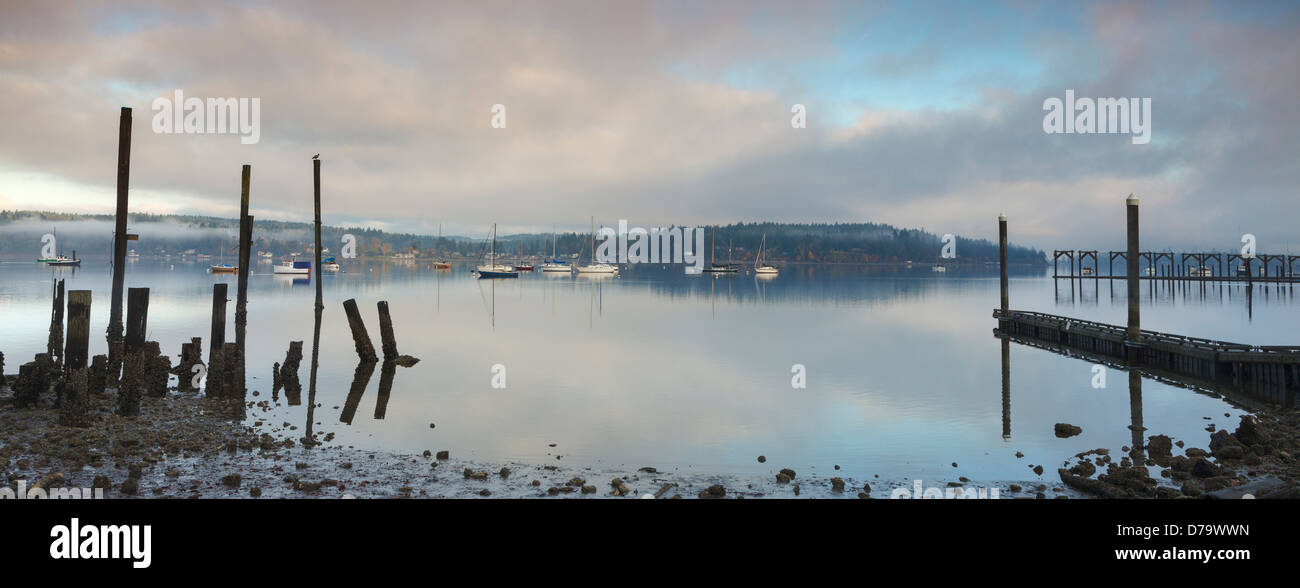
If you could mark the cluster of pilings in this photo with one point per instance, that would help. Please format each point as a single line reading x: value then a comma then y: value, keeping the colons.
x: 133, y: 366
x: 1178, y: 266
x: 136, y: 368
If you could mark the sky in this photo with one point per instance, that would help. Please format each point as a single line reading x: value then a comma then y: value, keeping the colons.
x: 919, y: 114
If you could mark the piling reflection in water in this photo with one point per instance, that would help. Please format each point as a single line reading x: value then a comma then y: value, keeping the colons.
x: 1135, y: 417
x: 360, y: 379
x: 309, y: 440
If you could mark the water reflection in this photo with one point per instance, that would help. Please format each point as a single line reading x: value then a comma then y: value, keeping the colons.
x: 660, y: 368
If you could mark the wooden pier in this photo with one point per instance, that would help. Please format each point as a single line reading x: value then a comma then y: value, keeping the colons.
x: 1174, y: 266
x: 1269, y: 372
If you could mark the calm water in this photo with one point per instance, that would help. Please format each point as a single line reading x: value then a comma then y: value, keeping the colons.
x: 657, y: 368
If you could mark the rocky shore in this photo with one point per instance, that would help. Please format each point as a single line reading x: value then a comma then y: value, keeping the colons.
x: 1257, y: 460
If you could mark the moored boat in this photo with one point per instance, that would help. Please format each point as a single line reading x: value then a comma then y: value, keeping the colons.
x: 492, y: 269
x: 761, y: 268
x: 292, y: 266
x: 596, y: 267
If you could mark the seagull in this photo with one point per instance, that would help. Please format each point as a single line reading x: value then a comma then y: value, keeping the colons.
x: 316, y: 156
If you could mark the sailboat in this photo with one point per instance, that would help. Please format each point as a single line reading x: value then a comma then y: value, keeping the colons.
x: 521, y: 266
x: 555, y: 264
x: 223, y: 268
x: 719, y: 268
x: 492, y: 269
x: 760, y: 267
x: 596, y: 267
x: 441, y: 264
x: 329, y: 264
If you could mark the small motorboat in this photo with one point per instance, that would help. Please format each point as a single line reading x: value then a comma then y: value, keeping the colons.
x: 291, y: 266
x: 329, y: 264
x: 63, y: 260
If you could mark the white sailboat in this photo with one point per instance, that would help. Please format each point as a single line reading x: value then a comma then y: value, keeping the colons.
x: 596, y: 267
x: 761, y: 268
x: 556, y: 264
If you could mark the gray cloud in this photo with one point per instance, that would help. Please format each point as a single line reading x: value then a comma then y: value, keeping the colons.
x: 631, y: 110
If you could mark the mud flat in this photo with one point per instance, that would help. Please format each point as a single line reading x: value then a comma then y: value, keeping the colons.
x: 184, y: 445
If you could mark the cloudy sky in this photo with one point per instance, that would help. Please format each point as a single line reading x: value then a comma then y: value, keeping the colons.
x: 919, y: 114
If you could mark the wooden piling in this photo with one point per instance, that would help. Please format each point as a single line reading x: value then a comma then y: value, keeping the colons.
x: 119, y: 243
x: 245, y: 242
x: 73, y: 407
x: 133, y: 380
x: 54, y: 346
x: 1134, y: 334
x: 137, y: 318
x: 387, y: 340
x: 78, y: 343
x: 315, y: 166
x: 97, y: 381
x: 1002, y: 260
x: 26, y: 390
x: 217, y: 336
x: 361, y: 339
x: 191, y: 355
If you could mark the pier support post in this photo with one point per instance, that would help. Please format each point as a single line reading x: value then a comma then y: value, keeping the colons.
x: 365, y: 348
x: 217, y: 336
x: 386, y: 337
x: 1002, y: 260
x: 78, y: 343
x: 119, y: 245
x: 137, y: 318
x: 1134, y: 334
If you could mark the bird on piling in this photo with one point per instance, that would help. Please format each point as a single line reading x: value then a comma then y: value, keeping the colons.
x: 316, y: 156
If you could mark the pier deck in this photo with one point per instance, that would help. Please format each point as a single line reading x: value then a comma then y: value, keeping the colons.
x: 1263, y: 371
